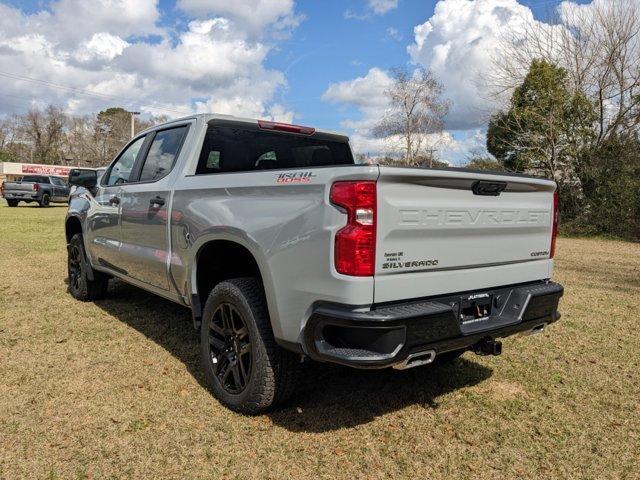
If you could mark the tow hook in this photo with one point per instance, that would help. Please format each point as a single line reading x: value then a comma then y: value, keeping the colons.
x: 488, y: 346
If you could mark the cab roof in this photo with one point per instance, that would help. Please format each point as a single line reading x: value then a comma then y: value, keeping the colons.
x: 253, y: 122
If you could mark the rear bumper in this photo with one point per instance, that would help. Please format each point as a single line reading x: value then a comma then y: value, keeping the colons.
x: 20, y: 196
x: 387, y: 335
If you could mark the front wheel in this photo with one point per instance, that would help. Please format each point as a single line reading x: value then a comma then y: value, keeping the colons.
x: 79, y: 270
x: 12, y: 203
x: 244, y: 367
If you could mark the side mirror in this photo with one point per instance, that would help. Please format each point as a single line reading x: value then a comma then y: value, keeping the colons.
x: 83, y: 177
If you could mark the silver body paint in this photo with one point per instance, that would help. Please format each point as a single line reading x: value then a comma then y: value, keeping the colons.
x: 289, y: 227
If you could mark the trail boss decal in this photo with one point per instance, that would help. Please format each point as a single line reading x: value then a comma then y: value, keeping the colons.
x: 395, y: 260
x: 295, y: 177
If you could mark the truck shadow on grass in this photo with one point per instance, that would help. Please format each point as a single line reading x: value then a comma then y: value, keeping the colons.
x: 332, y: 397
x: 329, y: 397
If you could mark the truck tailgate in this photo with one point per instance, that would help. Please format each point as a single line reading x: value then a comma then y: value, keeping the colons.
x: 442, y: 231
x: 18, y: 187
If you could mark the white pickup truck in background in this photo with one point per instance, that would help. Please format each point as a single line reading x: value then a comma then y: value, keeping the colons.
x: 283, y: 248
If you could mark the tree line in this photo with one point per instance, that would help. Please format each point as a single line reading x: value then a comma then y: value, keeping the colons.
x: 51, y: 136
x: 574, y: 114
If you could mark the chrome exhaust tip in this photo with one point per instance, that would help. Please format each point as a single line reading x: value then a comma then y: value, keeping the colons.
x: 535, y: 330
x: 416, y: 359
x: 538, y: 329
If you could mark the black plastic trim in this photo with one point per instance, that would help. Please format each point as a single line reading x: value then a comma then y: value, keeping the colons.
x: 430, y: 324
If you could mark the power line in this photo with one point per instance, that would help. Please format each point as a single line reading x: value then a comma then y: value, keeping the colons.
x: 81, y: 91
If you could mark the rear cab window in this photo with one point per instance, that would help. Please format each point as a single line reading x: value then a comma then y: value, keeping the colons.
x: 35, y: 179
x: 162, y: 154
x: 244, y: 149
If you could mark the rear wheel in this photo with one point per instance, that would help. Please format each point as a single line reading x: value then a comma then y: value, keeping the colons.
x: 45, y: 200
x: 12, y: 203
x: 81, y: 286
x: 244, y: 367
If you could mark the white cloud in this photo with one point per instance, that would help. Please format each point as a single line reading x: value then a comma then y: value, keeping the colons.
x: 68, y: 22
x: 462, y: 145
x: 215, y: 64
x: 458, y: 43
x: 364, y: 92
x: 102, y: 46
x: 209, y: 51
x: 570, y: 10
x: 394, y: 34
x: 253, y: 15
x: 374, y: 7
x: 445, y: 146
x: 455, y: 150
x: 367, y: 94
x: 380, y: 7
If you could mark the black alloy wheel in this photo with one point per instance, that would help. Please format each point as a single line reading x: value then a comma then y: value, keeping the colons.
x: 84, y: 282
x: 244, y: 367
x: 230, y: 348
x: 74, y: 265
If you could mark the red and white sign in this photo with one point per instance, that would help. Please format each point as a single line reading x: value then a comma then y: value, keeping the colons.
x: 46, y: 170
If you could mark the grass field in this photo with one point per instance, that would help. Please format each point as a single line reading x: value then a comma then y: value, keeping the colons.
x: 113, y: 389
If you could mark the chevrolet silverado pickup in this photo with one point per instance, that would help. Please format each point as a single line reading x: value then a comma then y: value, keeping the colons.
x: 41, y: 189
x: 284, y: 249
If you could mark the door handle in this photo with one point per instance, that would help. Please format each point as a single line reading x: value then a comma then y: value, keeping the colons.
x: 156, y: 202
x: 115, y: 200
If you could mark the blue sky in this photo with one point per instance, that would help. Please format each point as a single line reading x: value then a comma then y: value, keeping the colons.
x: 320, y: 63
x: 328, y: 48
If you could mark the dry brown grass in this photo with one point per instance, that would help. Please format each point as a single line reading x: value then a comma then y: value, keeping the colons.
x: 113, y: 389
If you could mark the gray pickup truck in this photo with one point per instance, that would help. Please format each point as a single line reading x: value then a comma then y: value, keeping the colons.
x: 284, y: 249
x: 41, y: 189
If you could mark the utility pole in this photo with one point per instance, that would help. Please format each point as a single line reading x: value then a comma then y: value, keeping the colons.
x: 133, y: 125
x: 431, y: 152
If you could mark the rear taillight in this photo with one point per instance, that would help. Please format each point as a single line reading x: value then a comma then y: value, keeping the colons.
x: 355, y: 247
x: 36, y: 187
x: 554, y: 225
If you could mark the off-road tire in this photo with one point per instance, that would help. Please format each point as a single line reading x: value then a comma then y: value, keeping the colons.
x: 78, y: 268
x: 273, y: 373
x: 45, y: 201
x: 12, y: 203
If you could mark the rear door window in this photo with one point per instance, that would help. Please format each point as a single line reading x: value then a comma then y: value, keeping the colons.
x: 58, y: 182
x: 230, y: 149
